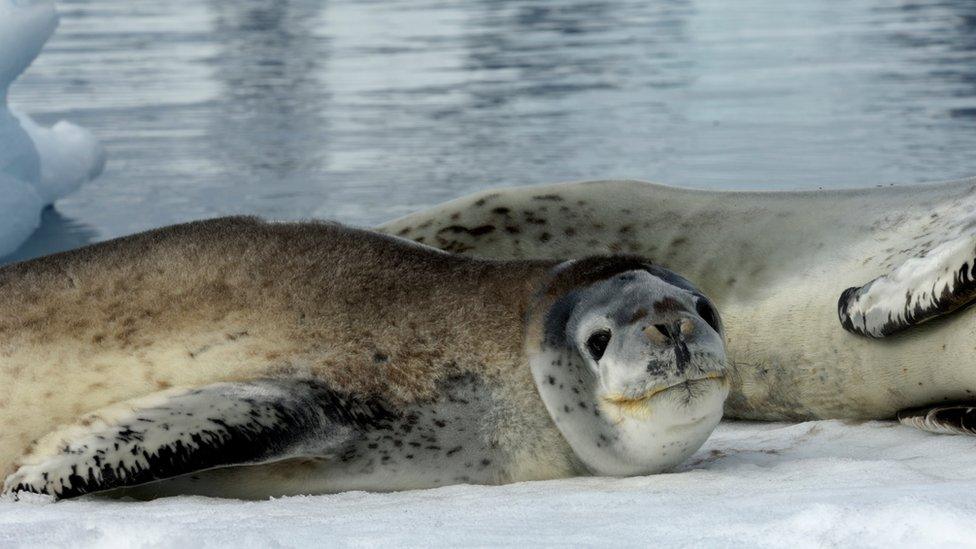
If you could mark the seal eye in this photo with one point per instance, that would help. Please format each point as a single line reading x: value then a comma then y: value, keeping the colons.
x: 707, y: 313
x: 597, y: 343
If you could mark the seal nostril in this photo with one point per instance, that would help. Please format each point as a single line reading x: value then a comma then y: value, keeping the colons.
x: 660, y: 334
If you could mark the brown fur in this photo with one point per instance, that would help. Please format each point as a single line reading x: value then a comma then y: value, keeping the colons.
x: 241, y: 299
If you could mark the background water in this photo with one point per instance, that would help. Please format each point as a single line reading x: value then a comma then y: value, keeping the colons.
x: 364, y: 110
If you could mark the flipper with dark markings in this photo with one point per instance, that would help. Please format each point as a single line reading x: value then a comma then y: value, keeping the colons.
x: 953, y: 419
x: 922, y: 288
x: 180, y: 431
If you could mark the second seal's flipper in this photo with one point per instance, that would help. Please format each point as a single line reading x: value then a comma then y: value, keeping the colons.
x: 181, y: 431
x: 951, y: 419
x: 922, y: 288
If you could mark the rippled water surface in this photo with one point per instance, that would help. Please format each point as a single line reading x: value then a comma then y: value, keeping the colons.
x: 364, y: 110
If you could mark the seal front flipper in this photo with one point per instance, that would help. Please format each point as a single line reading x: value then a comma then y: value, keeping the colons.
x: 953, y: 419
x: 920, y: 289
x: 180, y: 431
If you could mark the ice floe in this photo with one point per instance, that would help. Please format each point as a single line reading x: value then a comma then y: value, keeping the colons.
x: 38, y: 165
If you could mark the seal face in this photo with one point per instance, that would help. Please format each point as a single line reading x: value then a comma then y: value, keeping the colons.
x: 239, y: 358
x: 631, y: 365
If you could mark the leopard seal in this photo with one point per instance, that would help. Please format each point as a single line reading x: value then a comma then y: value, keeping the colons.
x: 236, y: 357
x: 838, y: 303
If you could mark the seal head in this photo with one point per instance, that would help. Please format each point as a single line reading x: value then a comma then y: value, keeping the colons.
x: 630, y: 362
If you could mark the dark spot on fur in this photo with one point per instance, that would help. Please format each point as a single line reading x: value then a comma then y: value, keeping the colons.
x: 482, y: 201
x: 638, y: 314
x: 501, y: 211
x: 475, y: 231
x: 668, y: 305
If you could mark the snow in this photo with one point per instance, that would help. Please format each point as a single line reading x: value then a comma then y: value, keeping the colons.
x: 37, y: 165
x: 826, y: 483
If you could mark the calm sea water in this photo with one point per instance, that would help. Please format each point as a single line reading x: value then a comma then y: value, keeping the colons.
x: 363, y: 110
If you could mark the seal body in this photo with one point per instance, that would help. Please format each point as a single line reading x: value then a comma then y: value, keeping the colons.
x: 776, y: 264
x: 238, y: 299
x: 235, y: 357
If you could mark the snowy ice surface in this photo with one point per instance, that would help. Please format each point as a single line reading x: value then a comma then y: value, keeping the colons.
x: 826, y: 483
x: 37, y: 165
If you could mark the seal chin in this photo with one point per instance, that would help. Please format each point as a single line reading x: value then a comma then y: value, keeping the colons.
x: 687, y: 390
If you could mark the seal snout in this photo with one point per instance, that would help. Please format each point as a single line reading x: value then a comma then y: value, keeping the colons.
x: 675, y: 335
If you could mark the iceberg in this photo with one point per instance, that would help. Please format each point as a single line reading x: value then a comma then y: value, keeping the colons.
x: 38, y: 165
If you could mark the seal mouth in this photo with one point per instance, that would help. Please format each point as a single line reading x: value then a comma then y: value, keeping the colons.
x: 639, y: 403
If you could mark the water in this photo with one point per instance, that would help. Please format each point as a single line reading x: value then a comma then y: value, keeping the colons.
x: 363, y: 110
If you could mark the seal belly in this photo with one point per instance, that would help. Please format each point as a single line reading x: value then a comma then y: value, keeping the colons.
x: 792, y: 360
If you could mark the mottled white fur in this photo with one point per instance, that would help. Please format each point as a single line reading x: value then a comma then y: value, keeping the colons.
x: 775, y: 264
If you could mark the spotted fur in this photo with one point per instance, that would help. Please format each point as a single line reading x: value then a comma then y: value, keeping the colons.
x: 775, y: 264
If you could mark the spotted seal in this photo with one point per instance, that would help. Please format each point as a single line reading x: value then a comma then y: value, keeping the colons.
x: 838, y: 304
x: 236, y: 357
